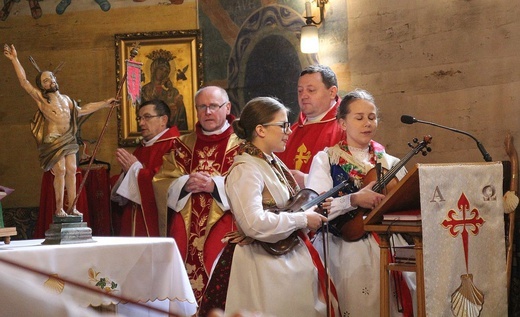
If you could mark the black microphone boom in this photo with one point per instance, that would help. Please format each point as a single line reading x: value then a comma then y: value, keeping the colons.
x: 410, y: 120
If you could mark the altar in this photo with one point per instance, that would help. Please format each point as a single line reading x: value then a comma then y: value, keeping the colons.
x: 140, y: 269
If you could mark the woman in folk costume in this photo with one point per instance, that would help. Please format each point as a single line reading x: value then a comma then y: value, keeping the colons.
x: 354, y: 265
x: 265, y: 276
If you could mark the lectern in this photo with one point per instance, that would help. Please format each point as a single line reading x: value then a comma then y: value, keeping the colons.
x: 459, y: 244
x: 404, y: 196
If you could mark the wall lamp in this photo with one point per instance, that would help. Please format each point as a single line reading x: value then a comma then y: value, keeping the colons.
x: 309, y: 40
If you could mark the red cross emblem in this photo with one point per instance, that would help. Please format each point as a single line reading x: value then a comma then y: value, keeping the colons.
x: 470, y: 222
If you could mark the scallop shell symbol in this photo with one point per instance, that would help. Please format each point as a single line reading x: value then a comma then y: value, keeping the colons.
x: 55, y: 284
x: 510, y: 202
x: 467, y: 300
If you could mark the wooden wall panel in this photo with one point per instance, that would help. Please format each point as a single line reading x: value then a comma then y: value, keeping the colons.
x: 84, y: 40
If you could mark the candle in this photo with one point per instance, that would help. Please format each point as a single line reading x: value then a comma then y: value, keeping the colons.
x: 308, y: 11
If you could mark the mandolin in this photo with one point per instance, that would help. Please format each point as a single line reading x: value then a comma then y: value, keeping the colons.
x: 350, y: 225
x: 303, y: 200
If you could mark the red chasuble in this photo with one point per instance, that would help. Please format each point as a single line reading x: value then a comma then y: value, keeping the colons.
x: 201, y: 225
x: 151, y: 158
x: 307, y: 140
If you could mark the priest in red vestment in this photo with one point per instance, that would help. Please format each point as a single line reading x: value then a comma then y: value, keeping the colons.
x: 317, y: 126
x: 133, y: 191
x: 189, y: 188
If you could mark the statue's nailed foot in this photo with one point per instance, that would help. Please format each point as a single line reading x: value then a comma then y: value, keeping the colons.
x: 75, y: 212
x: 60, y: 213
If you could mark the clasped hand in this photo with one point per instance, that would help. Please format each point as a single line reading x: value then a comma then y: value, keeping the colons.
x: 200, y: 182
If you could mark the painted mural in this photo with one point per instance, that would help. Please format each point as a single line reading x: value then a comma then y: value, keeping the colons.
x: 252, y: 48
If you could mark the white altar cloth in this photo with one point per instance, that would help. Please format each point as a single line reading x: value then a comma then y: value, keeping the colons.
x: 141, y: 269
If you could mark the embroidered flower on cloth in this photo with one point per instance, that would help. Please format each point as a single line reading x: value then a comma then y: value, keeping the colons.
x: 197, y: 283
x: 198, y: 243
x: 376, y: 152
x: 105, y: 284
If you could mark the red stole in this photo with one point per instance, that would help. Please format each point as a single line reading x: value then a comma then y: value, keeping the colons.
x: 307, y: 140
x: 151, y: 159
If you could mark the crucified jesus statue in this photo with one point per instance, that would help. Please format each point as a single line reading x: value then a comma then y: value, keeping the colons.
x: 54, y: 126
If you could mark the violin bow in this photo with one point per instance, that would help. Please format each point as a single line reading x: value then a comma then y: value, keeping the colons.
x: 133, y: 53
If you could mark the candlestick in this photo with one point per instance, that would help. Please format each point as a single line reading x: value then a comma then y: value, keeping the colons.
x: 308, y: 11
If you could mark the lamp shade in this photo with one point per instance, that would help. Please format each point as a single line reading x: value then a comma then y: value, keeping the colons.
x: 309, y: 41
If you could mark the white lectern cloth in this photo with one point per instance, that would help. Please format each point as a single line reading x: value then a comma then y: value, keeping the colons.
x: 461, y: 206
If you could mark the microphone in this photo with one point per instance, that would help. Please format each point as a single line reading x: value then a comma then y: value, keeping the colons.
x: 410, y: 120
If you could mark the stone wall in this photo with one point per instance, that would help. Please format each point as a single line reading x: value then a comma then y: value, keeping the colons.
x: 450, y: 62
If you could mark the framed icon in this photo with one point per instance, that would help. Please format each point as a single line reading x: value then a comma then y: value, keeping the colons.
x: 170, y: 70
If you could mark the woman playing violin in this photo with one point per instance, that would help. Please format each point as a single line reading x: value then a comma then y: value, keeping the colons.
x: 354, y: 265
x: 281, y: 285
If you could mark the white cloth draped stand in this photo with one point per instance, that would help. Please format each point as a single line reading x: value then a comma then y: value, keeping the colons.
x: 141, y: 269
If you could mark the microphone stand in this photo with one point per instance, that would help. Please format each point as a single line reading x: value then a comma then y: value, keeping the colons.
x: 409, y: 120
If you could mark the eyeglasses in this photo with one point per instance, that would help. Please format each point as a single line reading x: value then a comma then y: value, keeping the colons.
x: 286, y: 126
x: 147, y: 117
x: 212, y: 107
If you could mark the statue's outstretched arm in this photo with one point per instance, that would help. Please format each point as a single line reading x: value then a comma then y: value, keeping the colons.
x: 94, y: 106
x: 10, y: 53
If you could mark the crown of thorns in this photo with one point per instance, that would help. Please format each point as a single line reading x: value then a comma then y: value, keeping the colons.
x: 56, y: 70
x: 161, y: 54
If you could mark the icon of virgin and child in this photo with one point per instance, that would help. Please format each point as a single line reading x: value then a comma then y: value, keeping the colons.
x: 160, y: 86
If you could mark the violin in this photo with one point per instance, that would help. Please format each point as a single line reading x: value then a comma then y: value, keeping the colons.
x: 350, y: 225
x: 303, y: 200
